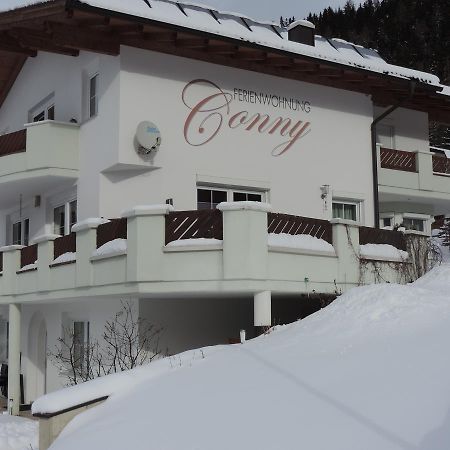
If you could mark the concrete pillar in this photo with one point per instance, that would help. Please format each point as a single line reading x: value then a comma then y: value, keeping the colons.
x: 346, y: 245
x: 11, y: 264
x: 424, y: 161
x: 45, y: 258
x: 146, y: 240
x: 14, y: 359
x: 262, y: 311
x: 86, y: 231
x: 245, y: 246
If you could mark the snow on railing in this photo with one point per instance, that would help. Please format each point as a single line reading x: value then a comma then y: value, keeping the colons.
x: 288, y: 224
x: 369, y: 235
x: 65, y: 244
x: 114, y: 229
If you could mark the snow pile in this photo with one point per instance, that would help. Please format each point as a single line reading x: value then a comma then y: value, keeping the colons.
x: 28, y: 267
x: 382, y: 252
x: 201, y: 242
x: 238, y: 27
x: 114, y: 247
x: 371, y: 369
x: 65, y: 258
x: 17, y: 433
x: 299, y: 242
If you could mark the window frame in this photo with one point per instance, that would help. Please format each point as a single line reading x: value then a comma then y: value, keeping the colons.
x: 93, y: 97
x: 352, y: 202
x: 230, y: 191
x: 390, y: 216
x: 67, y: 227
x: 45, y: 108
x: 24, y: 238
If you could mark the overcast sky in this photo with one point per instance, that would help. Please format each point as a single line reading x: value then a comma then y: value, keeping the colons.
x: 273, y: 9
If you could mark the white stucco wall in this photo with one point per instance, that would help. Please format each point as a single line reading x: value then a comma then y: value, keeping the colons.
x: 411, y: 128
x: 56, y: 315
x: 197, y: 322
x: 336, y: 151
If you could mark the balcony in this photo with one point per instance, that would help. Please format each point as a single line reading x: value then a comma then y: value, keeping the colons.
x: 418, y: 176
x: 242, y: 248
x: 40, y: 157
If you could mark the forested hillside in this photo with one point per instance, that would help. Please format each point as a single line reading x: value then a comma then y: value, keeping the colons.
x: 410, y: 33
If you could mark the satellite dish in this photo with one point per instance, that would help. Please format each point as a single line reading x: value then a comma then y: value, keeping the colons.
x: 148, y: 138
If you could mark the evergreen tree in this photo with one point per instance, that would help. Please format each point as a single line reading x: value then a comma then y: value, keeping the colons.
x: 409, y: 33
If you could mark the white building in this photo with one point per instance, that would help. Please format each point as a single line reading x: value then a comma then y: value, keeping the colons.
x: 247, y: 112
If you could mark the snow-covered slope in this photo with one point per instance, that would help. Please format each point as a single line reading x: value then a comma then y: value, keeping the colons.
x: 369, y: 372
x: 17, y: 433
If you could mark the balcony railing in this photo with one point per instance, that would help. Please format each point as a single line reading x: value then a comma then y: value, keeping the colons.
x: 374, y: 236
x: 65, y: 244
x: 114, y: 229
x: 398, y: 160
x: 441, y: 165
x: 288, y: 224
x: 194, y: 224
x: 13, y: 143
x: 28, y: 255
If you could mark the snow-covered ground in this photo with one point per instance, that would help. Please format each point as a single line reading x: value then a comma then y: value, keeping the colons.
x: 369, y: 372
x: 17, y: 433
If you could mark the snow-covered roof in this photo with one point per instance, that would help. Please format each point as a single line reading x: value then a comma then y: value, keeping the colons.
x: 238, y: 27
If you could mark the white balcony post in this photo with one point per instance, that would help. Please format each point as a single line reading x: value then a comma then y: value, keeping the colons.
x: 45, y: 245
x: 14, y: 359
x: 11, y: 264
x: 424, y: 161
x: 86, y: 239
x: 262, y: 310
x: 346, y: 245
x: 145, y: 242
x: 379, y: 156
x: 245, y: 246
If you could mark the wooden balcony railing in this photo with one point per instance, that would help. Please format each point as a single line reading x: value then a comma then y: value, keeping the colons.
x: 441, y: 165
x: 28, y: 255
x: 206, y: 223
x: 114, y: 229
x: 65, y: 244
x: 13, y: 143
x: 375, y: 236
x: 398, y: 160
x: 285, y: 223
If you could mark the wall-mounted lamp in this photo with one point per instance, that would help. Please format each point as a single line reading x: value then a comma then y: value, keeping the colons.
x: 325, y: 189
x: 325, y: 192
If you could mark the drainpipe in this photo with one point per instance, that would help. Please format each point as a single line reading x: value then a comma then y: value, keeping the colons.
x: 373, y: 134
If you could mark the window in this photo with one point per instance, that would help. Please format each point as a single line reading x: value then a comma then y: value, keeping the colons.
x: 44, y: 113
x: 64, y: 217
x: 81, y: 345
x: 246, y: 197
x: 386, y: 135
x: 209, y: 198
x: 21, y: 232
x: 414, y: 224
x: 386, y: 222
x: 346, y: 210
x: 93, y: 96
